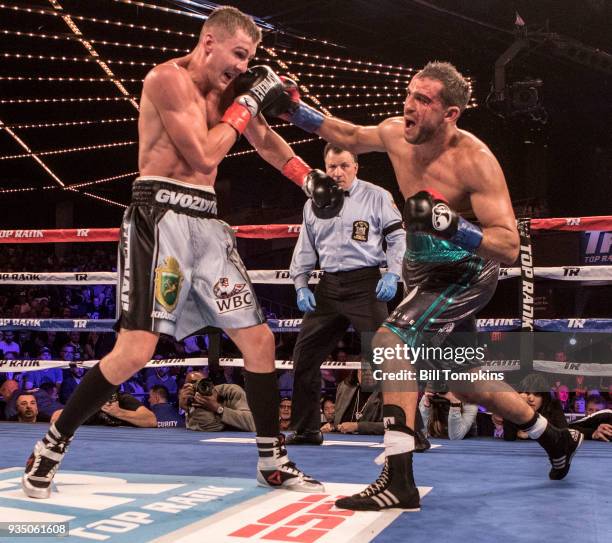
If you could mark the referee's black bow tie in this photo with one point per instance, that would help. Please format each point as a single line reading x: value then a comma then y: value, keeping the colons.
x: 346, y: 193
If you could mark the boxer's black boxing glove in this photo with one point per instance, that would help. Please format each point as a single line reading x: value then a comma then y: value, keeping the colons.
x: 320, y: 187
x: 327, y: 196
x: 428, y: 211
x: 256, y: 89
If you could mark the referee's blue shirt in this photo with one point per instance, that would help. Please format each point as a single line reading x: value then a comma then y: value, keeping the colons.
x: 353, y: 239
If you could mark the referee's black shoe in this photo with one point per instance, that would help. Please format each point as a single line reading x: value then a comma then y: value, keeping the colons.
x: 306, y: 438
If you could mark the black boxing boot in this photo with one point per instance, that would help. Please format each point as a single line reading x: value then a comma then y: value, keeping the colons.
x: 560, y: 444
x: 395, y: 487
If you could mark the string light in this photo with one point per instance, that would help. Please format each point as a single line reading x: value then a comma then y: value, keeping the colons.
x: 339, y: 59
x: 358, y: 87
x: 163, y: 8
x: 73, y: 123
x: 64, y: 58
x: 27, y: 189
x: 373, y: 104
x: 105, y: 180
x: 55, y: 79
x: 251, y: 151
x: 75, y: 185
x: 303, y: 89
x: 347, y: 68
x: 100, y: 42
x: 30, y: 154
x: 65, y: 100
x: 359, y: 95
x: 73, y: 150
x: 42, y: 11
x: 387, y: 113
x: 106, y: 200
x: 90, y: 49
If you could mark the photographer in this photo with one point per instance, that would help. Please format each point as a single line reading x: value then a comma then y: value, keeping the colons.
x: 214, y: 408
x: 122, y: 409
x: 445, y: 416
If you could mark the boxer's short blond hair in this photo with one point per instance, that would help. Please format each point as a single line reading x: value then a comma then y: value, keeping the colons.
x: 229, y: 19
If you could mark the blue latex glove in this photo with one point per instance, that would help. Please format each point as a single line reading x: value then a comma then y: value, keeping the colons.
x: 305, y: 300
x: 387, y: 287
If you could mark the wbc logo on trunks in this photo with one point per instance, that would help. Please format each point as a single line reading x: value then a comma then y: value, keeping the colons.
x: 231, y: 297
x: 168, y: 282
x: 222, y: 288
x: 440, y: 217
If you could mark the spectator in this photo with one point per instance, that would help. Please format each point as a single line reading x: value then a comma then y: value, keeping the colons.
x: 580, y: 389
x: 579, y: 404
x: 9, y: 345
x: 27, y: 409
x: 123, y: 409
x: 75, y: 342
x: 161, y: 376
x: 134, y: 387
x: 50, y: 375
x: 534, y: 390
x: 71, y: 379
x: 285, y: 413
x: 47, y: 401
x: 563, y: 396
x: 7, y: 389
x: 285, y: 383
x: 225, y: 408
x: 445, y: 416
x: 166, y: 414
x: 328, y: 410
x: 356, y: 410
x: 598, y: 422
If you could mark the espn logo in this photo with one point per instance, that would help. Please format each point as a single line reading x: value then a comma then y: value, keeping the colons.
x: 282, y: 525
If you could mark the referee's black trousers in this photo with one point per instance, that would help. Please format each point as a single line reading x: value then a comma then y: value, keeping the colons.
x: 343, y: 298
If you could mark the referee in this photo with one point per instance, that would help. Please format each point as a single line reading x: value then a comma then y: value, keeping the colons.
x: 347, y: 238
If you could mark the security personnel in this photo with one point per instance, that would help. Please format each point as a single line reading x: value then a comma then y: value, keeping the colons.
x: 344, y: 227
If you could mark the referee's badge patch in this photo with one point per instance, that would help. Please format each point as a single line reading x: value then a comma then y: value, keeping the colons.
x: 168, y: 282
x: 361, y: 230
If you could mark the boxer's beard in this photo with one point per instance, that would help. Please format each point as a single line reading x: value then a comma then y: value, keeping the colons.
x: 423, y: 135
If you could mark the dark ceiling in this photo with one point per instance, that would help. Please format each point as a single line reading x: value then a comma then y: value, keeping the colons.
x: 69, y: 123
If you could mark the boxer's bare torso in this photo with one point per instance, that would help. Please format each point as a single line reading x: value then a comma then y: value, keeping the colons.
x: 158, y: 154
x: 449, y: 170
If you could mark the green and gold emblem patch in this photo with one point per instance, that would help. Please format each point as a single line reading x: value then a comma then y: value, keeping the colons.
x: 168, y: 281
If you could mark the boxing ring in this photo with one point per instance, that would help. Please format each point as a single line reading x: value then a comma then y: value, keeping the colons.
x: 174, y: 485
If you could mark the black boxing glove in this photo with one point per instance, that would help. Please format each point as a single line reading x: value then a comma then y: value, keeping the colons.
x: 428, y: 211
x: 256, y: 89
x: 327, y: 196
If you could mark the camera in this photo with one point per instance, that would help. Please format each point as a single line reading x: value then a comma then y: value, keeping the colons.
x: 205, y: 386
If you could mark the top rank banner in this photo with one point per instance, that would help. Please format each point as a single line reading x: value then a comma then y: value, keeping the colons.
x: 596, y: 248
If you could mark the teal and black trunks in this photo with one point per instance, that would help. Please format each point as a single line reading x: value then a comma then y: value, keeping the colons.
x: 446, y: 286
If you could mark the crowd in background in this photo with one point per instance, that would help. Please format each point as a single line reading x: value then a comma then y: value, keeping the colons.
x: 167, y: 396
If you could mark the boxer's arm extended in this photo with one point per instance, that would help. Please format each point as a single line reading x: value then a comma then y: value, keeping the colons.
x: 171, y: 91
x: 349, y: 136
x: 352, y: 137
x: 492, y: 206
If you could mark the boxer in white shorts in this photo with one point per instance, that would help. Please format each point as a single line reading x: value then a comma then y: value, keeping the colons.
x: 179, y: 270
